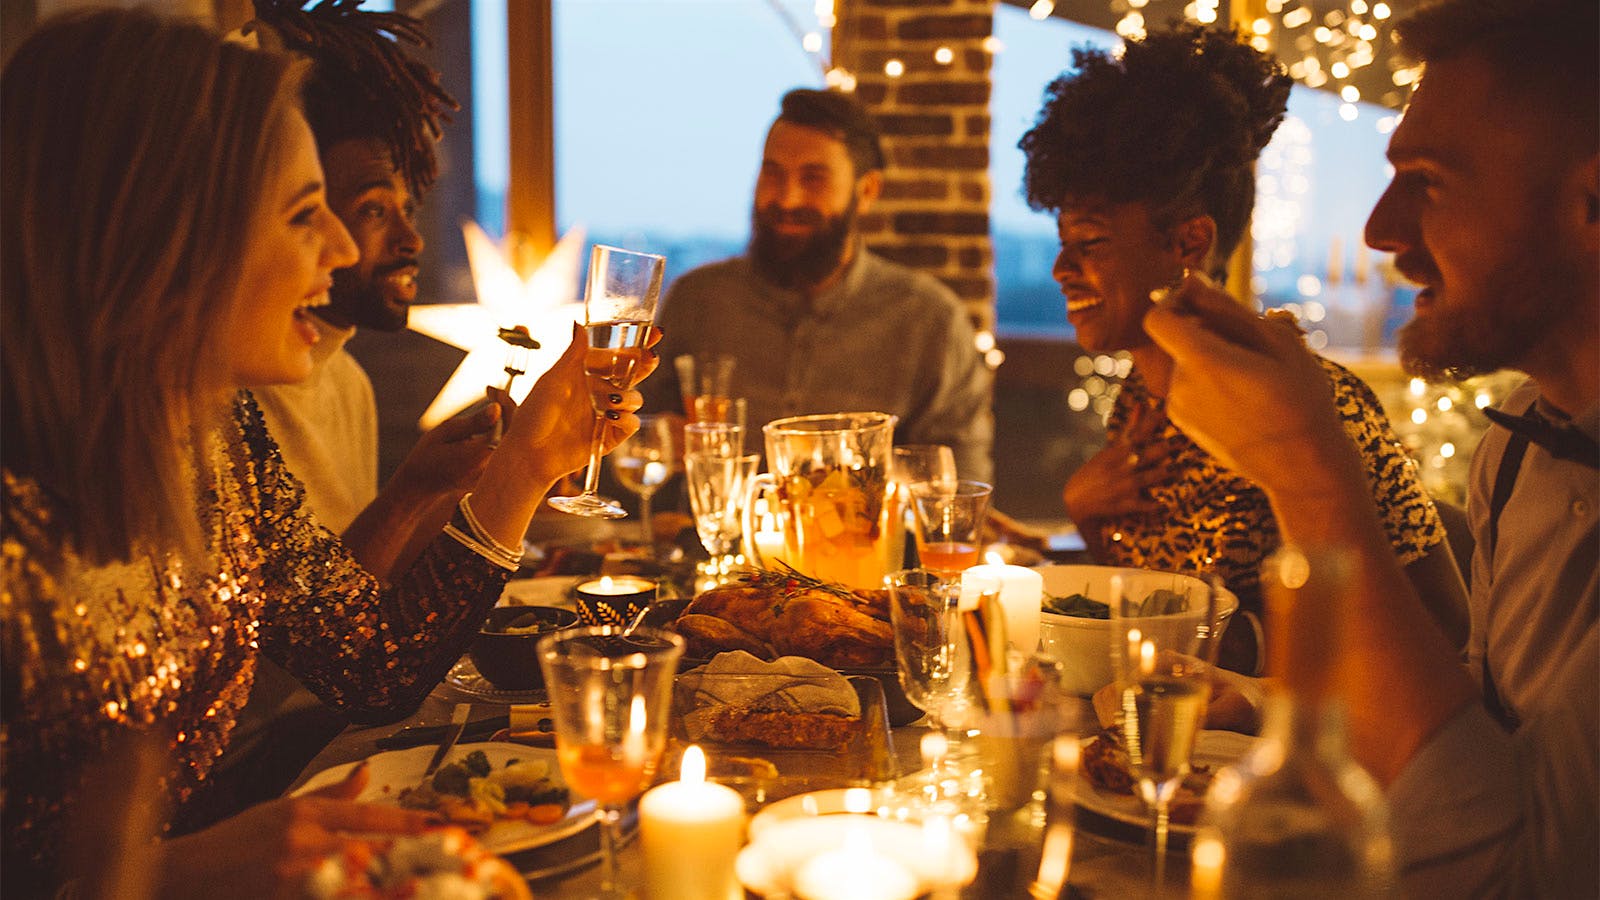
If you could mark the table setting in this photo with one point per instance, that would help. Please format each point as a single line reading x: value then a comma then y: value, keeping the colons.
x: 762, y: 729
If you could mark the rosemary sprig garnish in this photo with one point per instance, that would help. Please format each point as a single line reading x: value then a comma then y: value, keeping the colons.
x: 790, y: 581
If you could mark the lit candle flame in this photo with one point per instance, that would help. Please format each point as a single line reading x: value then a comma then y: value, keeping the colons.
x: 993, y: 558
x: 693, y: 769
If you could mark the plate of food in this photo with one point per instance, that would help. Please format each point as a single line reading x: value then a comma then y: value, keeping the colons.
x: 1106, y: 784
x: 509, y: 796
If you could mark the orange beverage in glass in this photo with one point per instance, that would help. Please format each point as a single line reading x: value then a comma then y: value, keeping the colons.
x: 604, y: 774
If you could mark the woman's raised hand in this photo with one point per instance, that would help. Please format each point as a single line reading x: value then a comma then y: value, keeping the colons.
x: 1116, y: 481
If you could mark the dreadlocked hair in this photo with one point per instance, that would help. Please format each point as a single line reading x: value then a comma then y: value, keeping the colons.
x: 363, y: 85
x: 1175, y: 121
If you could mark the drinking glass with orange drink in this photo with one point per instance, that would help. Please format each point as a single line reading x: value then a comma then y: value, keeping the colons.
x: 610, y: 693
x: 948, y: 518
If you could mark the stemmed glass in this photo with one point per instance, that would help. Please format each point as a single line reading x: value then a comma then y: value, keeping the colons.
x: 618, y: 304
x: 931, y: 647
x: 1160, y: 663
x: 717, y: 487
x: 645, y: 461
x: 610, y: 692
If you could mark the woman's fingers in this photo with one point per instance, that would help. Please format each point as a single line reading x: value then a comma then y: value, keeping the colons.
x: 347, y: 788
x: 356, y: 818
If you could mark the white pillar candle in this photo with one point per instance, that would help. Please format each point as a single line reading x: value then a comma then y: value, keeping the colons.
x: 1021, y: 592
x: 691, y: 830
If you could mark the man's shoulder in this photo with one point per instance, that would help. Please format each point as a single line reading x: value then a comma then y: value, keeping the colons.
x: 887, y: 278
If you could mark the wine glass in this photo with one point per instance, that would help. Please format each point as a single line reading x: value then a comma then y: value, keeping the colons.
x: 932, y: 651
x: 717, y: 487
x: 948, y: 519
x: 618, y: 304
x: 645, y: 460
x: 1160, y: 661
x: 610, y: 692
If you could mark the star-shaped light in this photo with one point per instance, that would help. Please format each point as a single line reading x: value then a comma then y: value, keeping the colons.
x: 546, y: 303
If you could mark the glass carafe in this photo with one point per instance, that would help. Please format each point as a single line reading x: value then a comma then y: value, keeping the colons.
x: 1297, y: 816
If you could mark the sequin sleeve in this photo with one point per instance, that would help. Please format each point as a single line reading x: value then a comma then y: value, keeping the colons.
x: 1409, y: 516
x: 373, y: 651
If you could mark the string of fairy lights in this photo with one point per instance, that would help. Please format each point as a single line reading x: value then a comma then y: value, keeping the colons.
x: 1324, y: 45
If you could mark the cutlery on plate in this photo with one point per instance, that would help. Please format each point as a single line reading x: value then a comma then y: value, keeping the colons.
x: 458, y: 721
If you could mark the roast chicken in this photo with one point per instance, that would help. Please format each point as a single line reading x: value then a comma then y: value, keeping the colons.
x: 769, y: 615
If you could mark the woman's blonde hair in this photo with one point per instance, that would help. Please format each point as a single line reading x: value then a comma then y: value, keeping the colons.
x: 135, y: 155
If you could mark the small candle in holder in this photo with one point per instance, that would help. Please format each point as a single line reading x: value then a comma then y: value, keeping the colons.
x: 613, y: 599
x: 690, y: 831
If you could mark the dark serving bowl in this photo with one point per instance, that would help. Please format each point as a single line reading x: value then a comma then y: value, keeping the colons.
x: 510, y: 662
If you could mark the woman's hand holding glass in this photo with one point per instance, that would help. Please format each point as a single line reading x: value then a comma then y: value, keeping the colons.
x: 619, y: 303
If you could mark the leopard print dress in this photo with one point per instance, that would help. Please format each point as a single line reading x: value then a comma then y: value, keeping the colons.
x: 1215, y: 521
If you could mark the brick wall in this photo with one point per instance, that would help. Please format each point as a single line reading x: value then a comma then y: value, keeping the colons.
x: 934, y: 214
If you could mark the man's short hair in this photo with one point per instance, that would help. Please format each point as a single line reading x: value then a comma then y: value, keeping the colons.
x: 839, y: 115
x: 1539, y: 48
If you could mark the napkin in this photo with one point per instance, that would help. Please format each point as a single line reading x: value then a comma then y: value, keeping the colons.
x: 787, y: 684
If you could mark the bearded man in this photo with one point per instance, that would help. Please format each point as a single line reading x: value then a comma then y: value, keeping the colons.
x: 815, y: 321
x: 1492, y: 770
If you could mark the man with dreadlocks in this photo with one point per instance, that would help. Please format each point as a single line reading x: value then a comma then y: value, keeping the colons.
x: 375, y: 114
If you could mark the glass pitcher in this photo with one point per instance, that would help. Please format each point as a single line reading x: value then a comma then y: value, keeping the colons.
x: 837, y: 509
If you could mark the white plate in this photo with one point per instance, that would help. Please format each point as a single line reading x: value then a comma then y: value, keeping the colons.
x: 1211, y: 748
x: 547, y: 590
x: 395, y: 770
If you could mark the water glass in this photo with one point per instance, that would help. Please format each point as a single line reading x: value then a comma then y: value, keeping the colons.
x: 704, y: 376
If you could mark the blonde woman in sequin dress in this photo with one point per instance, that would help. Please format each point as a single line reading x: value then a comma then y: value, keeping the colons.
x: 164, y: 233
x: 1146, y: 158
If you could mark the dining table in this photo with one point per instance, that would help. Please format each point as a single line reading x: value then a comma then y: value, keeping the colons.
x: 1109, y: 858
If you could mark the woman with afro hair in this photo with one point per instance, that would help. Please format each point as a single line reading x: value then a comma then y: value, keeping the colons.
x: 1146, y: 158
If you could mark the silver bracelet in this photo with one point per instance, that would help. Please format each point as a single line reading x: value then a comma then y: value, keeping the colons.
x: 482, y: 533
x: 509, y: 563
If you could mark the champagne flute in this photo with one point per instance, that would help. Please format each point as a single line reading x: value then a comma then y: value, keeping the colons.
x: 932, y: 651
x: 1160, y: 663
x: 610, y: 692
x: 618, y: 304
x: 717, y: 488
x: 645, y: 461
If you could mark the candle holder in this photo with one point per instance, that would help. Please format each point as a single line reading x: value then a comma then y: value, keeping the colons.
x: 613, y: 599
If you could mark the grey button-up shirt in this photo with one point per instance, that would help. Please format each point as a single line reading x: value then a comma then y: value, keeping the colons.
x: 885, y: 338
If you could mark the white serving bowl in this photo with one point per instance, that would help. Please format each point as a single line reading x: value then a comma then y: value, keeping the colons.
x: 1083, y: 646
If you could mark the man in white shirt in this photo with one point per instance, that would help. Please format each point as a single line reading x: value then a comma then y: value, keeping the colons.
x: 1494, y: 211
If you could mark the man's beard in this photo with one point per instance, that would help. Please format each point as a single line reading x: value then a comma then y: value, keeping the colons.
x: 795, y: 263
x: 1499, y: 327
x: 362, y: 304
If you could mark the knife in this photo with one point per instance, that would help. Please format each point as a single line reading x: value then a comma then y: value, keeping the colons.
x: 458, y: 721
